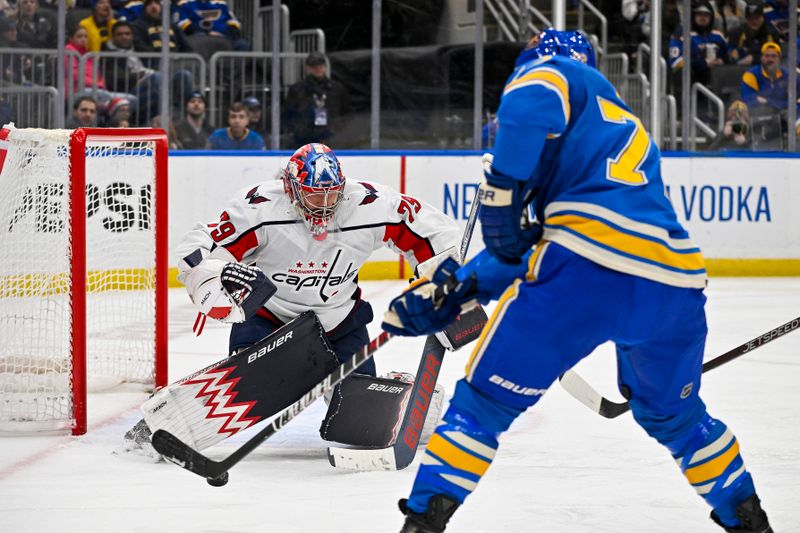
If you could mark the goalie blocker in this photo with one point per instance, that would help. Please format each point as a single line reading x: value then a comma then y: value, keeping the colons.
x: 372, y: 412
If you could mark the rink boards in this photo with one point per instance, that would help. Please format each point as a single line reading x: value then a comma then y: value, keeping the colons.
x: 737, y: 208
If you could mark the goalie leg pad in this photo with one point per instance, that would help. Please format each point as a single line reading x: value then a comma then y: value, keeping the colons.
x: 368, y: 412
x: 255, y: 383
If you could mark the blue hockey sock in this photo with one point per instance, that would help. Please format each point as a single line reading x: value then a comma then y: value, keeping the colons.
x: 710, y: 460
x: 461, y: 449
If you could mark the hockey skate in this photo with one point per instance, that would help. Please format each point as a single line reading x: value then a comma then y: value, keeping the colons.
x: 440, y: 509
x: 136, y: 444
x: 752, y: 516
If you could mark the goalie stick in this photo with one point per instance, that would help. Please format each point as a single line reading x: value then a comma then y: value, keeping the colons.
x: 216, y: 472
x: 588, y: 396
x: 401, y: 453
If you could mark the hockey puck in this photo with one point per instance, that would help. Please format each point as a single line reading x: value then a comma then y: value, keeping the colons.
x: 220, y: 481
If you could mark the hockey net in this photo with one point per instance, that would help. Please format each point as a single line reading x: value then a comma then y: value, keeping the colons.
x: 82, y: 270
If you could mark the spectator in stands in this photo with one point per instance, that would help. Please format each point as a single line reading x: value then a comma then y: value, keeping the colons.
x: 132, y: 10
x: 708, y: 46
x: 732, y: 14
x: 636, y: 28
x: 155, y: 122
x: 193, y: 131
x: 128, y: 74
x: 736, y: 134
x: 123, y: 73
x: 147, y: 31
x: 36, y: 28
x: 745, y: 42
x: 98, y: 25
x: 96, y: 87
x: 213, y: 18
x: 119, y: 113
x: 15, y: 66
x: 255, y: 115
x: 316, y: 107
x: 84, y: 113
x: 766, y: 85
x: 777, y: 13
x: 765, y: 91
x: 489, y: 131
x: 7, y: 113
x: 237, y: 136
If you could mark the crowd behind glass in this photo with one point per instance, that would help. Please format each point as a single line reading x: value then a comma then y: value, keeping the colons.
x: 738, y: 49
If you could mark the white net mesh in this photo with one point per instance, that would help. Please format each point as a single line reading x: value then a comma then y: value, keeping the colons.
x: 35, y: 239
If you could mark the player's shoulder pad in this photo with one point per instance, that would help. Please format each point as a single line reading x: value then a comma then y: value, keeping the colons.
x: 544, y: 83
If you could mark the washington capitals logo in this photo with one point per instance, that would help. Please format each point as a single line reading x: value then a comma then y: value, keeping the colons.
x: 220, y: 403
x: 372, y: 194
x: 254, y: 197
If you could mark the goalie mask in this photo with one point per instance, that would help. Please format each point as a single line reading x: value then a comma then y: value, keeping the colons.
x: 314, y: 181
x: 572, y: 44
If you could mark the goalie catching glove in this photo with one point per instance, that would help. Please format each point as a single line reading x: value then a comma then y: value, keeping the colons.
x: 429, y: 306
x: 228, y: 292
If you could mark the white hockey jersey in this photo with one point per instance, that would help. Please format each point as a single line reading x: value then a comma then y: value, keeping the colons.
x: 261, y: 227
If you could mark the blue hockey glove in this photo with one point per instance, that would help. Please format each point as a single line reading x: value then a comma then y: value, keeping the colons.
x: 506, y: 232
x: 428, y: 306
x: 485, y: 278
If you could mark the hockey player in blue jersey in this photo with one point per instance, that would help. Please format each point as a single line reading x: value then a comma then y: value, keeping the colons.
x: 611, y: 263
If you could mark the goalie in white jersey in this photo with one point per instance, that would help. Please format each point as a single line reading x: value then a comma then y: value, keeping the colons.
x: 309, y: 233
x: 284, y: 247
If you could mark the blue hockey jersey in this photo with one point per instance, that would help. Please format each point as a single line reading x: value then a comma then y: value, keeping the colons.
x: 206, y: 16
x: 597, y: 176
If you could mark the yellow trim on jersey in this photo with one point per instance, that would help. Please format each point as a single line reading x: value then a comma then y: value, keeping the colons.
x: 714, y: 468
x: 629, y: 244
x: 488, y: 331
x: 748, y: 78
x: 456, y: 457
x: 535, y: 262
x: 548, y: 78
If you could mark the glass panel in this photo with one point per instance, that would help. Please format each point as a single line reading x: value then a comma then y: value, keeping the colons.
x: 326, y: 80
x: 427, y: 65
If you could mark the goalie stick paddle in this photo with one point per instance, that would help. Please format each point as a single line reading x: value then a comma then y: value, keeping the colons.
x: 588, y: 396
x: 215, y: 472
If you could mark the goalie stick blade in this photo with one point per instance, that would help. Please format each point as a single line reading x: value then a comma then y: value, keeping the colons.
x: 176, y: 451
x: 362, y: 460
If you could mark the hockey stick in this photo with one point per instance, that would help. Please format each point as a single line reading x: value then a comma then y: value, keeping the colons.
x: 216, y: 472
x: 401, y: 453
x: 588, y: 396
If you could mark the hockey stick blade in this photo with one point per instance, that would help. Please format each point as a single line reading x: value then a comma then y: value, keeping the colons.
x: 579, y: 389
x: 178, y: 452
x: 400, y: 454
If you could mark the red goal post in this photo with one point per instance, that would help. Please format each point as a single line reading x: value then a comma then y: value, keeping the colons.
x: 83, y: 273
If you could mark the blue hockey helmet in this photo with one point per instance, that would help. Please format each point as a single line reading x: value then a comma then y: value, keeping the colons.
x: 314, y: 181
x: 572, y: 44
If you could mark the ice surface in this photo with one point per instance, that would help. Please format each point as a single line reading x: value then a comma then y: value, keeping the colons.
x: 561, y: 468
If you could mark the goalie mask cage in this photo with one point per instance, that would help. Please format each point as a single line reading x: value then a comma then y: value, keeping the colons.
x: 83, y: 274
